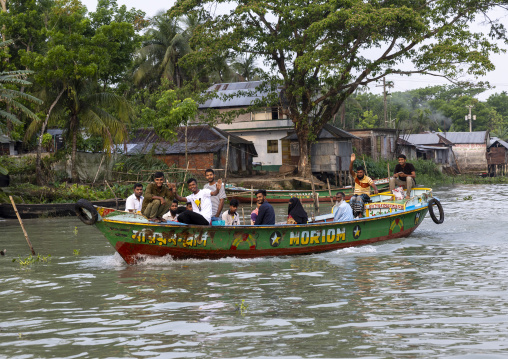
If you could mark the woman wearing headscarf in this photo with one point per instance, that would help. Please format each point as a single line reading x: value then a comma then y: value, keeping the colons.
x: 296, y: 213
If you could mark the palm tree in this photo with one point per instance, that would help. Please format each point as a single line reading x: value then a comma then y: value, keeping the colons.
x: 245, y: 67
x: 10, y: 98
x: 159, y: 56
x: 82, y: 108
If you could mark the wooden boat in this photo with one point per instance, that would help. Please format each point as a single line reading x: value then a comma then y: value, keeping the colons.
x: 27, y: 211
x: 243, y: 195
x: 134, y: 237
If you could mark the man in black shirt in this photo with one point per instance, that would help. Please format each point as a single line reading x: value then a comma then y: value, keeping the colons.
x: 404, y: 175
x: 266, y: 214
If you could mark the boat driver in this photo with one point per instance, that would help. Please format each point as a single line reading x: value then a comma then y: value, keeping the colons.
x: 404, y: 175
x: 362, y: 188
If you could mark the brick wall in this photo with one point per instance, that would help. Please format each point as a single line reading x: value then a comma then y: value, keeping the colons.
x: 196, y: 160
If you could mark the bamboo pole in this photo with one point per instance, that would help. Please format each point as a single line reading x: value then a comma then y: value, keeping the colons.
x: 22, y: 226
x: 243, y: 217
x: 114, y: 194
x: 184, y: 178
x: 314, y: 194
x: 364, y: 165
x: 329, y: 191
x: 388, y: 166
x: 98, y: 169
x: 227, y: 159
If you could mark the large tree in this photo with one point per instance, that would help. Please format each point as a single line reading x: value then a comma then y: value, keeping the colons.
x: 321, y: 51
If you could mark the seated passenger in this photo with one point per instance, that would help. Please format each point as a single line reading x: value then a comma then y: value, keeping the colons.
x: 266, y: 213
x: 157, y: 199
x: 135, y: 201
x: 296, y: 213
x: 172, y: 215
x: 231, y: 217
x: 404, y: 175
x: 188, y: 206
x: 342, y: 212
x: 254, y: 214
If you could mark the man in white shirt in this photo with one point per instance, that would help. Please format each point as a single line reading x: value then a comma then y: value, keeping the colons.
x: 201, y: 204
x: 217, y: 201
x: 342, y: 211
x: 135, y: 201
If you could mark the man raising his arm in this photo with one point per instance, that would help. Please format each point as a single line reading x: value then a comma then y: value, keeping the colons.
x: 201, y: 213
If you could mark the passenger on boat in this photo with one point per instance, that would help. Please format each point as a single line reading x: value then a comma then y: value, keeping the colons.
x: 342, y: 212
x: 135, y: 201
x: 172, y: 215
x: 201, y: 204
x: 296, y: 213
x: 157, y: 199
x: 231, y: 217
x: 266, y: 214
x: 254, y: 214
x: 404, y: 175
x: 217, y: 201
x: 362, y: 187
x: 188, y: 206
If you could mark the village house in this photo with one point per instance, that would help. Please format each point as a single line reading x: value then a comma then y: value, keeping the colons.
x: 497, y: 157
x: 375, y: 142
x: 264, y: 128
x: 206, y: 147
x: 330, y: 154
x: 464, y: 152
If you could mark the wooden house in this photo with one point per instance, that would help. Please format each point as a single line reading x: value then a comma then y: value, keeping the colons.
x: 497, y: 157
x: 375, y: 142
x: 331, y: 153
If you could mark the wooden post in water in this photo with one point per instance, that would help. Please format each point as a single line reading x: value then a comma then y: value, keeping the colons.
x: 114, y: 194
x: 22, y: 226
x: 184, y: 178
x: 314, y: 194
x: 251, y: 197
x: 329, y: 191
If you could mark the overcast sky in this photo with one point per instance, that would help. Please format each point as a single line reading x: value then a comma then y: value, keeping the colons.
x: 497, y: 78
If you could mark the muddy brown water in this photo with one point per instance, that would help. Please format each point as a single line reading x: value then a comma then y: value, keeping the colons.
x: 441, y: 293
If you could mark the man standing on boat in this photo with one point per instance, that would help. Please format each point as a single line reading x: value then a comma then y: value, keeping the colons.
x: 217, y: 201
x: 266, y: 214
x: 362, y: 187
x: 201, y: 213
x: 157, y: 199
x: 404, y: 175
x: 342, y: 211
x: 134, y: 202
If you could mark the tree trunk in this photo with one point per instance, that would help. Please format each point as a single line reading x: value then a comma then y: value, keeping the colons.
x: 304, y: 167
x: 74, y: 129
x: 38, y: 170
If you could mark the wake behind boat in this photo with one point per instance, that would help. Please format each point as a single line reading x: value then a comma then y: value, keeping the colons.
x: 134, y: 237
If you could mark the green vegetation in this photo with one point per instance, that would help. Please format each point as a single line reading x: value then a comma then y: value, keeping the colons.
x: 32, y: 259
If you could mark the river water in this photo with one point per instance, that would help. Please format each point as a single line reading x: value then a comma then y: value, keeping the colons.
x: 441, y: 293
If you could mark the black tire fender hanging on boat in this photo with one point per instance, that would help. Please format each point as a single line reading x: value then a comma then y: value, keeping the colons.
x: 431, y: 204
x: 86, y: 212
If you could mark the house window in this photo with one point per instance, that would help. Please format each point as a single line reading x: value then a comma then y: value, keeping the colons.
x: 275, y: 113
x: 272, y: 146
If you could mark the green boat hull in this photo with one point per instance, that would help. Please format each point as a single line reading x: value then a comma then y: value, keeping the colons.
x: 134, y: 237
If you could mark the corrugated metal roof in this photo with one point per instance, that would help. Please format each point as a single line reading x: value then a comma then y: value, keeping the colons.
x: 453, y: 137
x: 240, y: 94
x: 465, y: 137
x: 328, y: 131
x: 200, y: 139
x: 4, y: 139
x: 493, y: 140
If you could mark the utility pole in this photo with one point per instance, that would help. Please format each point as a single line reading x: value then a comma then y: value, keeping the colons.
x: 385, y: 84
x: 470, y: 118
